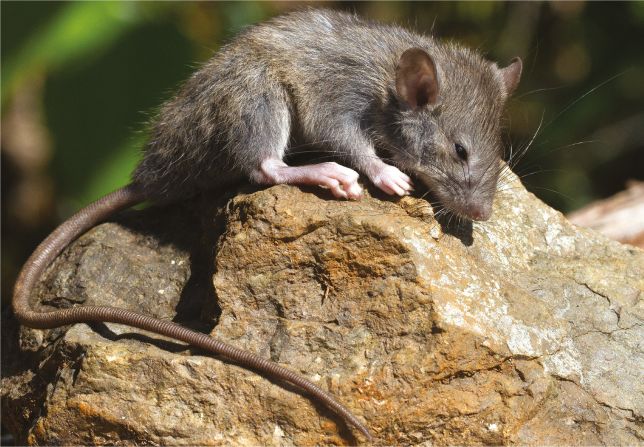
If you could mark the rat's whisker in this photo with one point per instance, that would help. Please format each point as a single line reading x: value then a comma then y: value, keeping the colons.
x: 601, y: 84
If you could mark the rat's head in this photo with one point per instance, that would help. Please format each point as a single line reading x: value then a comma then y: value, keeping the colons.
x: 448, y: 124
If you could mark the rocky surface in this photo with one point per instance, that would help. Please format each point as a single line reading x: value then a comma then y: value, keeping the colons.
x: 519, y: 330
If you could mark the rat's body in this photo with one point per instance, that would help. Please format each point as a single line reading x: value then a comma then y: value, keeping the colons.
x: 359, y: 90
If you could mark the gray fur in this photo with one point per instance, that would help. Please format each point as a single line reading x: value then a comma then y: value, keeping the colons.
x: 329, y: 77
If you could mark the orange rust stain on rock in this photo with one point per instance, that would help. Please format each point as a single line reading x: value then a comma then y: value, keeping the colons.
x: 38, y: 432
x: 367, y: 389
x: 87, y: 410
x: 334, y: 438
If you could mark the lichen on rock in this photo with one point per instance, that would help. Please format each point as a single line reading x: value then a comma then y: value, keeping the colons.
x: 520, y: 330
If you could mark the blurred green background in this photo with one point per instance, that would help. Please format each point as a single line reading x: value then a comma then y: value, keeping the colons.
x: 80, y: 80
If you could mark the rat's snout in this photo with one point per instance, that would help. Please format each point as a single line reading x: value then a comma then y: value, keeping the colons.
x: 479, y: 197
x: 477, y: 211
x: 471, y: 202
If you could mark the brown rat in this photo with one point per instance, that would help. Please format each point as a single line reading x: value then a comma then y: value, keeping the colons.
x: 360, y: 90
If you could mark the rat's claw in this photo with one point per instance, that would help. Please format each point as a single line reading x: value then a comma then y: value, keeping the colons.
x: 404, y: 184
x: 393, y: 186
x: 335, y: 187
x: 344, y: 180
x: 392, y: 180
x: 354, y: 191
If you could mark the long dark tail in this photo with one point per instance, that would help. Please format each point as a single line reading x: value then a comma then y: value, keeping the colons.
x: 82, y: 221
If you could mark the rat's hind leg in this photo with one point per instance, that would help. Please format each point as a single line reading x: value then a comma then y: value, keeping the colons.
x: 340, y: 180
x: 261, y: 145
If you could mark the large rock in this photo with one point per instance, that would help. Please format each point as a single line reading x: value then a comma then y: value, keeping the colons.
x: 519, y: 330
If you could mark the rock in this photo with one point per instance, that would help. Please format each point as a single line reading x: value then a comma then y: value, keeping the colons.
x: 619, y: 217
x: 520, y: 330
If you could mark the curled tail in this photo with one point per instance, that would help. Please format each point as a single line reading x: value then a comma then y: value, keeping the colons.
x: 51, y: 247
x: 87, y: 218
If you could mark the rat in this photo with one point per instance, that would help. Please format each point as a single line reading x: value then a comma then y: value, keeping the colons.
x: 384, y: 101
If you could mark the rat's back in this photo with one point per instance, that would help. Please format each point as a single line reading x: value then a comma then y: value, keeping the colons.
x: 318, y: 71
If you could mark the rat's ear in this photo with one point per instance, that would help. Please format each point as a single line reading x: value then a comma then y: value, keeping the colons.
x: 511, y: 75
x: 416, y: 78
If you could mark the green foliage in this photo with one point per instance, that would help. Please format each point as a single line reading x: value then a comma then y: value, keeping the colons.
x: 74, y: 35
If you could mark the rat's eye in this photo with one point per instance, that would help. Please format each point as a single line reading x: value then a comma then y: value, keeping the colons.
x: 460, y: 151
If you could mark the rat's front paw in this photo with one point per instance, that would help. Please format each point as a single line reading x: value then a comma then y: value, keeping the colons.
x: 391, y: 180
x: 342, y: 181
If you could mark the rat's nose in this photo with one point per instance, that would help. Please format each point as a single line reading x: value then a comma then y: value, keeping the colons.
x: 479, y: 212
